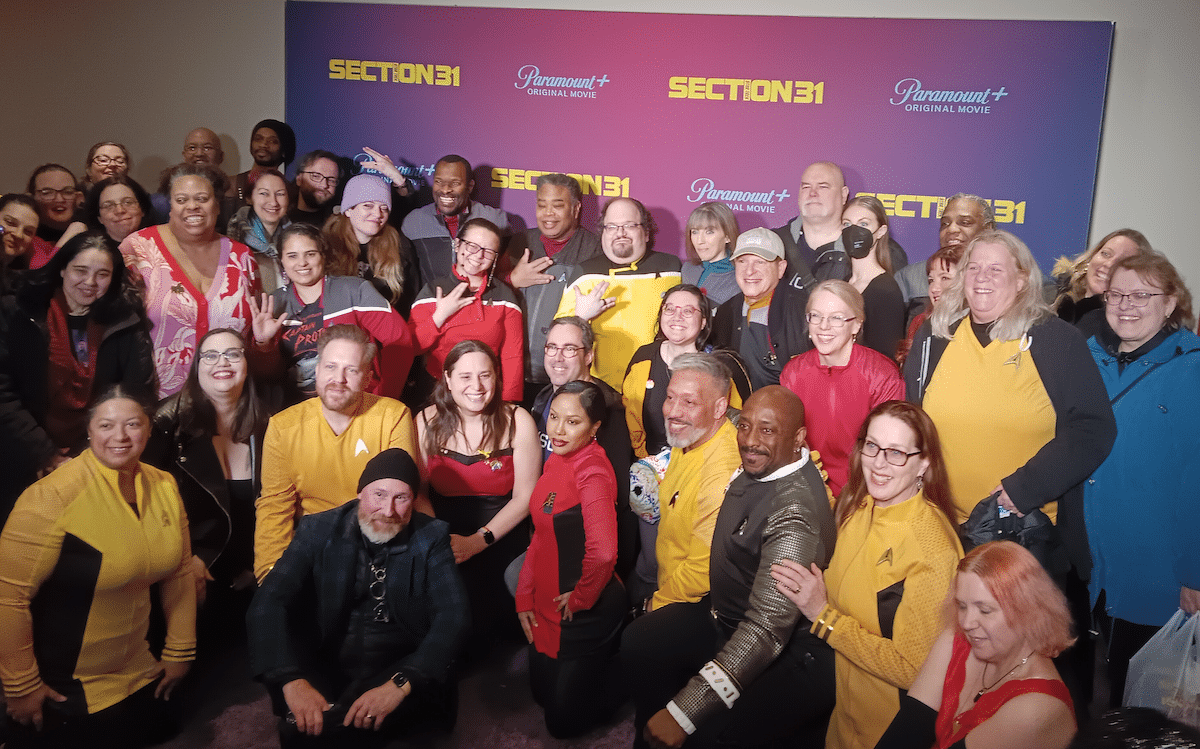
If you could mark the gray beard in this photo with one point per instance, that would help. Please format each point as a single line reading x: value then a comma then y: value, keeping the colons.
x: 374, y: 536
x: 685, y: 440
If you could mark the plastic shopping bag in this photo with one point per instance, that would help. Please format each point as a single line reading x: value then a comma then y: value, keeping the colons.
x: 1165, y: 673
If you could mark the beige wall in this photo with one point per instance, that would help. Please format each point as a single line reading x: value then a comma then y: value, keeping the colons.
x: 160, y: 68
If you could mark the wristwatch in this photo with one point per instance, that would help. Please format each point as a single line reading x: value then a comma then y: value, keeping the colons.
x: 488, y: 537
x: 399, y: 679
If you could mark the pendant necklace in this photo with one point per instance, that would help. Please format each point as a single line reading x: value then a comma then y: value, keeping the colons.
x: 1002, y: 678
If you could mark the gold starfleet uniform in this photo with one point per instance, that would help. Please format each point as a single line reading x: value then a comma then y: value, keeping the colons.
x: 891, y: 570
x: 992, y: 413
x: 689, y: 499
x: 307, y: 468
x: 76, y: 565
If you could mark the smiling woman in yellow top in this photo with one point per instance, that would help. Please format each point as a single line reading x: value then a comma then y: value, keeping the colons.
x: 878, y: 603
x: 1020, y: 408
x: 77, y: 559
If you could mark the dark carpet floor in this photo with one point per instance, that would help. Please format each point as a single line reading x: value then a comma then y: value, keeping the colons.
x: 228, y: 710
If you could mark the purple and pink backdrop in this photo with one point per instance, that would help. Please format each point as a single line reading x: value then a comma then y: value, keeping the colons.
x: 678, y: 109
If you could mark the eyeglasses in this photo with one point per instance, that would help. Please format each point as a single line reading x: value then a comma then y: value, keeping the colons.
x: 687, y: 313
x: 835, y: 321
x: 49, y: 193
x: 569, y: 351
x: 112, y: 205
x: 891, y: 454
x: 231, y: 355
x: 320, y: 178
x: 1136, y: 299
x: 106, y: 160
x: 614, y: 228
x: 471, y: 249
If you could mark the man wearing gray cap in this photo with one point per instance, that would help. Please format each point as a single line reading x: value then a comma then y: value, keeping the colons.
x: 356, y: 629
x: 765, y: 323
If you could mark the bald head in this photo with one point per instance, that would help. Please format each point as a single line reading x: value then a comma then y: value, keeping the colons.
x: 823, y: 193
x: 771, y: 431
x: 202, y: 146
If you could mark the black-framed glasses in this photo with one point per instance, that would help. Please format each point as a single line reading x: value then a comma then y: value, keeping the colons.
x: 106, y: 160
x: 231, y: 355
x: 614, y: 228
x: 1136, y: 298
x: 890, y: 454
x: 569, y: 351
x: 320, y: 178
x: 470, y: 248
x: 835, y: 321
x: 49, y: 193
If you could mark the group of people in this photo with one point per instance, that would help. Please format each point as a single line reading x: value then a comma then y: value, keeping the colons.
x: 731, y: 488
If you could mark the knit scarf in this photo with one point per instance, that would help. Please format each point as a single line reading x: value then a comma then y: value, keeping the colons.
x: 70, y: 380
x: 724, y: 265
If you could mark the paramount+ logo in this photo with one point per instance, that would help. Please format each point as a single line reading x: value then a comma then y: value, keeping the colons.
x: 532, y: 82
x: 705, y: 190
x: 914, y: 97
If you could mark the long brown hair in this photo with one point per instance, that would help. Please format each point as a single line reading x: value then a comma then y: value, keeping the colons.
x: 198, y: 417
x: 383, y: 253
x: 499, y: 421
x: 936, y: 482
x: 882, y: 247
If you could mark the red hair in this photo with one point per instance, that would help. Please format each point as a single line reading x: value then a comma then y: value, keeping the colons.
x: 1032, y: 604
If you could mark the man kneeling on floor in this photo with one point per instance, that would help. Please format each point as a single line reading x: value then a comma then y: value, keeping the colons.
x: 740, y: 668
x: 356, y: 628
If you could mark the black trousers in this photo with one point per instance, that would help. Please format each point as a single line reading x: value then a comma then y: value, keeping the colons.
x: 578, y: 689
x: 428, y: 709
x: 787, y: 705
x: 1124, y: 639
x: 136, y: 721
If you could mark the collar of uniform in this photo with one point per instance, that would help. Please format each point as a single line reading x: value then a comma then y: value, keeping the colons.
x: 788, y: 469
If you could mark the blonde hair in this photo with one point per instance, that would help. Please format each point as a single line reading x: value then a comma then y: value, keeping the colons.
x: 844, y: 291
x: 1077, y: 269
x: 1028, y: 307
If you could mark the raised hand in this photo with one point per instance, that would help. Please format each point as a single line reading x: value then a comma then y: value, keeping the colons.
x: 528, y: 272
x: 446, y: 305
x: 589, y: 306
x: 263, y: 324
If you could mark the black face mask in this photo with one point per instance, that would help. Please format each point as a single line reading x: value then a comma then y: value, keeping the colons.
x: 858, y: 241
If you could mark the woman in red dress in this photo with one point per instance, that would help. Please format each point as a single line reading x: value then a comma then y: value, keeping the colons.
x: 990, y: 677
x: 479, y: 459
x: 569, y: 603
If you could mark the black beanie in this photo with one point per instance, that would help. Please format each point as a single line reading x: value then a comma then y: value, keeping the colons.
x: 287, y: 138
x: 392, y: 463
